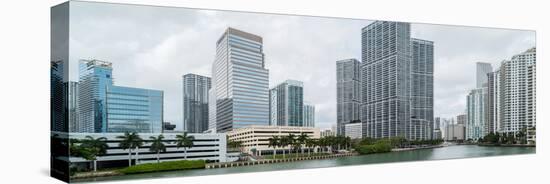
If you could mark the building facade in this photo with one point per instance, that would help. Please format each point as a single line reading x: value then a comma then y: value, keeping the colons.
x: 74, y: 124
x: 422, y: 67
x: 287, y: 100
x: 256, y: 138
x: 475, y: 127
x: 195, y: 103
x: 385, y: 70
x: 353, y: 130
x: 518, y: 92
x: 134, y: 110
x: 208, y: 147
x: 58, y: 97
x: 241, y: 81
x: 94, y: 78
x: 309, y: 115
x: 348, y: 93
x: 454, y: 132
x: 482, y: 69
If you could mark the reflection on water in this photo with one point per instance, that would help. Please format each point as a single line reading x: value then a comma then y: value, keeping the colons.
x: 451, y: 152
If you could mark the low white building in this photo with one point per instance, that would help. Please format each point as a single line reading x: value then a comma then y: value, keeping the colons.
x: 256, y: 138
x: 208, y: 147
x: 353, y: 130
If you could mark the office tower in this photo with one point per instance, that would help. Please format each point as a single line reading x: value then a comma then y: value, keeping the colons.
x: 348, y: 93
x: 461, y: 119
x: 385, y: 78
x: 492, y: 112
x: 518, y: 91
x: 309, y: 115
x: 482, y: 69
x: 475, y: 127
x: 211, y: 110
x: 422, y: 67
x: 241, y: 82
x: 437, y: 123
x: 94, y: 78
x: 289, y: 97
x: 58, y: 98
x: 134, y: 110
x: 74, y: 124
x: 195, y: 103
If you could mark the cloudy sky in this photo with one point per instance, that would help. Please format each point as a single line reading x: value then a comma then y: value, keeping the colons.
x: 152, y: 47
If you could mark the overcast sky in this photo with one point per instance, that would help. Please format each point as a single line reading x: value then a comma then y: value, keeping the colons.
x: 152, y: 47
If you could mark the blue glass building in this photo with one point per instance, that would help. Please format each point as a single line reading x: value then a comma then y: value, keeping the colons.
x: 104, y: 107
x: 94, y: 78
x: 134, y: 109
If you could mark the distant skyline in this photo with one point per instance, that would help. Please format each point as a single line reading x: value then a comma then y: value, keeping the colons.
x: 152, y: 47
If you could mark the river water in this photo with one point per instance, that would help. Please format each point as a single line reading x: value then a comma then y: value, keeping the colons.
x: 450, y: 152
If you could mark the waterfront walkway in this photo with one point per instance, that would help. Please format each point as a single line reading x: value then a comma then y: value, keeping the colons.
x: 271, y: 161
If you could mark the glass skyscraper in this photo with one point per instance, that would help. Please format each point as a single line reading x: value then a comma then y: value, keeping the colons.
x: 309, y: 115
x: 195, y: 103
x: 422, y: 89
x: 134, y: 110
x: 94, y: 78
x: 348, y: 93
x: 288, y: 103
x: 477, y: 103
x: 240, y: 81
x: 58, y: 97
x: 385, y: 76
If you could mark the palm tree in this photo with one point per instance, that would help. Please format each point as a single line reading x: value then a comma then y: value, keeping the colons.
x: 184, y: 141
x: 283, y: 142
x: 302, y: 138
x: 291, y: 138
x: 129, y: 142
x: 157, y: 145
x: 90, y: 148
x: 310, y: 143
x: 273, y: 142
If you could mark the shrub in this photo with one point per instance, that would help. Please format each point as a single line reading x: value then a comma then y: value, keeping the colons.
x: 379, y: 147
x: 164, y: 166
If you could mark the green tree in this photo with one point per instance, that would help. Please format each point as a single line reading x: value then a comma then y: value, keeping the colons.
x: 309, y: 144
x: 129, y: 142
x: 90, y: 148
x: 274, y: 142
x: 157, y: 145
x: 184, y: 141
x: 291, y: 140
x: 302, y: 138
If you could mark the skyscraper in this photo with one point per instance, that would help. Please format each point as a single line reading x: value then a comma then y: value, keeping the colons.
x: 492, y: 112
x: 288, y: 103
x: 518, y: 91
x: 74, y: 124
x: 195, y: 102
x: 482, y: 69
x: 211, y: 110
x: 348, y: 93
x: 58, y: 97
x: 309, y: 115
x: 385, y: 78
x: 95, y: 77
x: 241, y: 82
x: 476, y: 126
x: 422, y: 65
